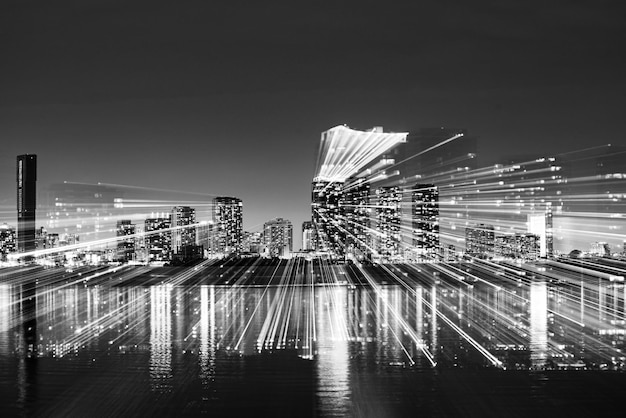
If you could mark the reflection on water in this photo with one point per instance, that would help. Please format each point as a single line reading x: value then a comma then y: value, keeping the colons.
x: 538, y: 324
x: 161, y: 338
x: 356, y: 350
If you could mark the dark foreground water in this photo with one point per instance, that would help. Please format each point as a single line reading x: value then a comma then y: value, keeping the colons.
x: 428, y: 349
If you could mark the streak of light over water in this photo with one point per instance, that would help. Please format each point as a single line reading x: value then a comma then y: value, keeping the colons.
x: 325, y: 341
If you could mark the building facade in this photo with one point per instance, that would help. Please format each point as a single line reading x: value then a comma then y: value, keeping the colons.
x: 125, y: 231
x: 26, y: 202
x: 425, y: 222
x: 388, y: 223
x: 278, y: 237
x: 228, y: 225
x: 158, y: 238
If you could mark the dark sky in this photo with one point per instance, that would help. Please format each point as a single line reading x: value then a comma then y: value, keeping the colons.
x: 230, y: 97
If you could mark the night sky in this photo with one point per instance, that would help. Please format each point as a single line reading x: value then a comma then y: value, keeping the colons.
x: 230, y: 97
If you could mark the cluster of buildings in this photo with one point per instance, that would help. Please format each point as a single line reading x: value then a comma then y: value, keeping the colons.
x: 376, y: 196
x: 90, y: 224
x: 422, y: 197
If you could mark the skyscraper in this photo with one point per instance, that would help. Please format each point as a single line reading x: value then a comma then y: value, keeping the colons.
x: 228, y: 222
x: 328, y: 220
x: 184, y: 230
x: 425, y: 219
x: 278, y: 237
x: 357, y: 213
x: 26, y: 201
x: 159, y: 238
x: 388, y: 220
x: 125, y: 246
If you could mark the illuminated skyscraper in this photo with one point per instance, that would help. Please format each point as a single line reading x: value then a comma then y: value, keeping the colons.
x: 125, y: 246
x: 308, y: 236
x: 184, y: 230
x: 327, y: 214
x: 278, y: 237
x: 159, y: 238
x: 357, y: 214
x: 26, y: 201
x: 228, y: 223
x: 425, y: 217
x: 388, y: 221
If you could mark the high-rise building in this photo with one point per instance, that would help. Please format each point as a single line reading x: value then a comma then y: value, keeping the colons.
x: 125, y: 246
x: 357, y: 216
x: 228, y: 223
x: 253, y: 242
x: 278, y: 237
x: 480, y: 241
x: 26, y: 201
x: 388, y: 222
x: 183, y: 231
x: 425, y: 219
x: 328, y: 220
x: 158, y: 236
x: 308, y: 236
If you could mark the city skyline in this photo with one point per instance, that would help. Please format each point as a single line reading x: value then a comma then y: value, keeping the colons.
x: 454, y: 173
x: 231, y: 106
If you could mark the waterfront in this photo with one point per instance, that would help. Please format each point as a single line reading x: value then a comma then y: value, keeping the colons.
x: 133, y: 340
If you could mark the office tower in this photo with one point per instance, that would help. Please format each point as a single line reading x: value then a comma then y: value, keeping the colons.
x: 8, y: 241
x: 480, y: 241
x: 328, y: 219
x: 357, y: 217
x: 308, y: 236
x: 26, y: 201
x: 425, y: 219
x: 126, y: 240
x: 158, y: 237
x: 253, y: 242
x: 184, y: 232
x: 278, y: 237
x: 228, y: 223
x: 388, y: 214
